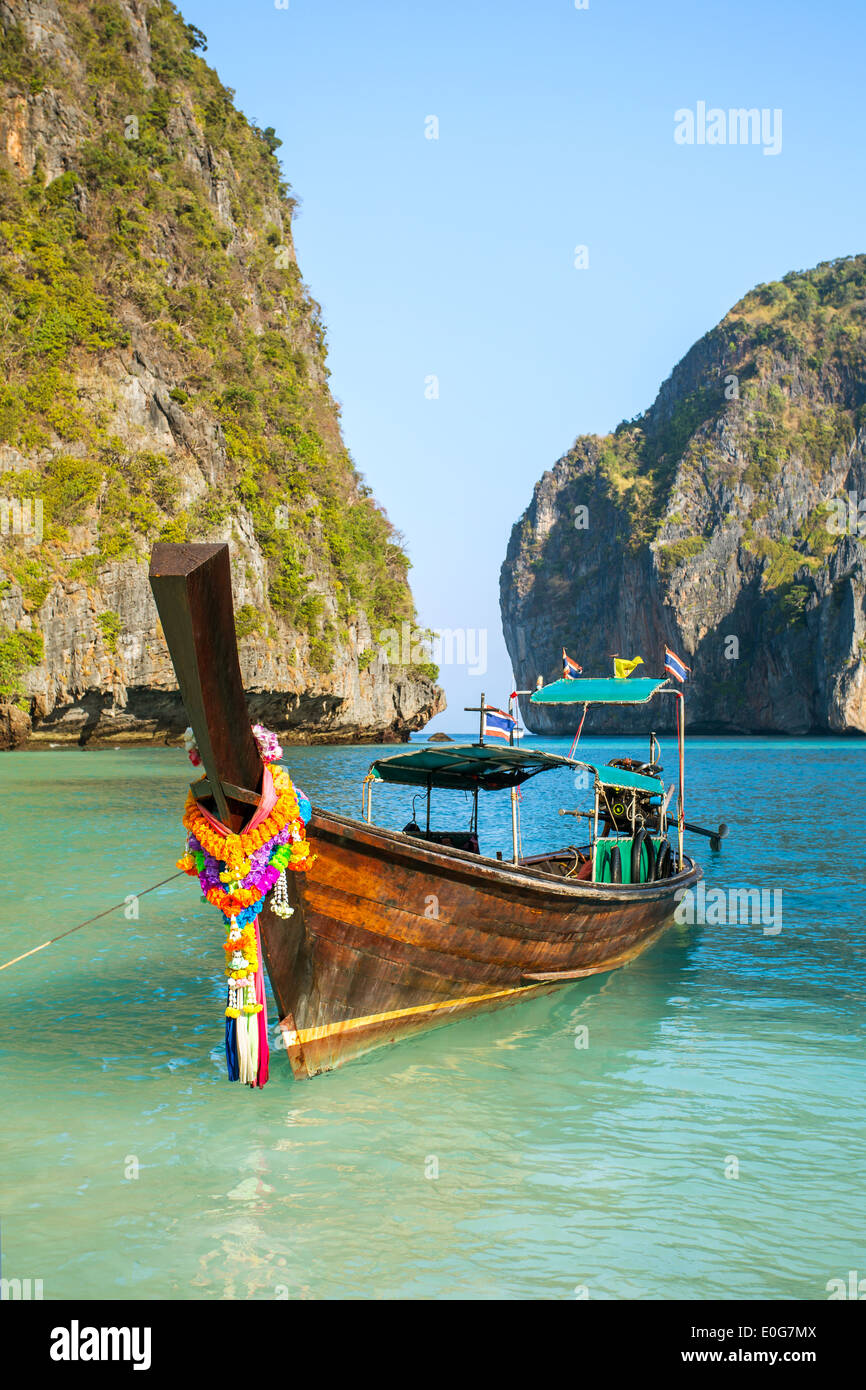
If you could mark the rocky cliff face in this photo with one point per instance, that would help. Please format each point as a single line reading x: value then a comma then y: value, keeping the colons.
x: 164, y: 376
x: 726, y: 521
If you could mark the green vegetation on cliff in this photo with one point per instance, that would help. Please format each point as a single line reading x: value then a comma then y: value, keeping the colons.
x: 171, y: 229
x: 727, y: 519
x: 776, y: 372
x: 18, y: 650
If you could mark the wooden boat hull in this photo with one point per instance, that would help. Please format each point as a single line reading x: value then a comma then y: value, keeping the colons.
x: 392, y: 936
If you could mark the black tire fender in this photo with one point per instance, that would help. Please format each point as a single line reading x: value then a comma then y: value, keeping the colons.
x: 636, y: 848
x: 650, y: 858
x: 664, y: 860
x: 615, y: 865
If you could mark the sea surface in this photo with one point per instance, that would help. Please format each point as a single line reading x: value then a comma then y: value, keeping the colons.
x: 691, y: 1126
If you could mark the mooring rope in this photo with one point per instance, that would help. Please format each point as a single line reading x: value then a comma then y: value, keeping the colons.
x: 70, y: 930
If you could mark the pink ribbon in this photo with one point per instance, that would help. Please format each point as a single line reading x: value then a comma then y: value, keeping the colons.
x: 264, y: 1051
x: 267, y: 802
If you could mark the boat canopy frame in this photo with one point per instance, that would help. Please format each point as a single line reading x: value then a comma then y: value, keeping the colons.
x: 618, y: 690
x: 480, y: 767
x: 476, y: 767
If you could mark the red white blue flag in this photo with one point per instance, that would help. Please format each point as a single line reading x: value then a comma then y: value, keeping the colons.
x: 570, y: 669
x: 676, y: 667
x: 498, y: 724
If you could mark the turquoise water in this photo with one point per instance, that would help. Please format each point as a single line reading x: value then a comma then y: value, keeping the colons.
x: 561, y: 1168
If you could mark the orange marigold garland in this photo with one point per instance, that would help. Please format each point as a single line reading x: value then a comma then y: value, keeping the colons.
x: 236, y: 872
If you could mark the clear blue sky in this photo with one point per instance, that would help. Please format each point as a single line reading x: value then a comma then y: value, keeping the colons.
x: 455, y: 257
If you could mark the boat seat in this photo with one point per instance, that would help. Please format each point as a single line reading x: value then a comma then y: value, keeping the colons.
x: 454, y: 839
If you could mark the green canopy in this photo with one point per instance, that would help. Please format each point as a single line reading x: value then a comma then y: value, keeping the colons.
x: 484, y: 767
x: 618, y: 777
x: 467, y: 766
x: 589, y: 690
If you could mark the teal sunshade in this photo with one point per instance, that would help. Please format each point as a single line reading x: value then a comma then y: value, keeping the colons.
x: 471, y: 766
x: 465, y: 767
x: 635, y: 690
x: 619, y: 777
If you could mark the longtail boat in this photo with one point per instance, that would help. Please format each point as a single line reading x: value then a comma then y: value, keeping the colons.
x: 390, y: 933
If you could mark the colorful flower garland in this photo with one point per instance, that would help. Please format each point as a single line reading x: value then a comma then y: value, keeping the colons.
x: 236, y: 872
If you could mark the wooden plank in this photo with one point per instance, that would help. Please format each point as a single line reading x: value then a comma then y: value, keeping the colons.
x: 193, y: 591
x: 202, y: 789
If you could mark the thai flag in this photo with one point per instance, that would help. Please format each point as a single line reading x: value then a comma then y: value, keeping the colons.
x: 675, y: 667
x: 570, y: 669
x: 498, y: 724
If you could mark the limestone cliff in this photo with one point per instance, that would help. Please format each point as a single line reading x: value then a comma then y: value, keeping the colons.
x: 725, y: 521
x: 164, y: 376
